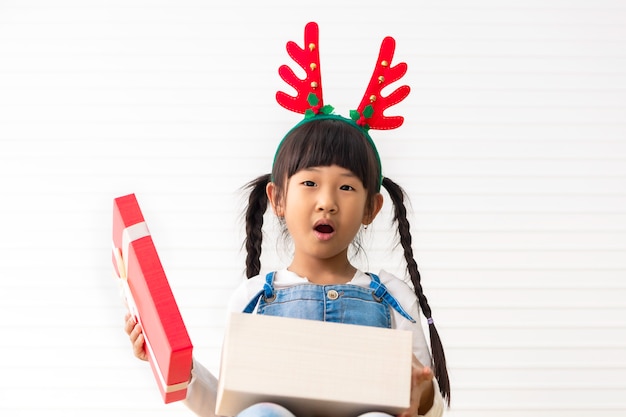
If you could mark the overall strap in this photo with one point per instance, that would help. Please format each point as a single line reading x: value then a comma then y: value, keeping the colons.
x: 267, y: 292
x: 381, y: 294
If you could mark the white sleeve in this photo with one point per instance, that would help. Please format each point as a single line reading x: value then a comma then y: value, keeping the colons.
x: 201, y: 391
x: 408, y: 300
x: 244, y: 292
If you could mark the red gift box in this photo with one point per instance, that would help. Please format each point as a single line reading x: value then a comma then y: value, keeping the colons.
x: 150, y: 299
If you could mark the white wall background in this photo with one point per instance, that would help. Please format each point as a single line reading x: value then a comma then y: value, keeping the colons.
x: 514, y: 154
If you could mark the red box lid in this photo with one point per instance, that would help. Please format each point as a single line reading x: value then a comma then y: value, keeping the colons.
x: 150, y: 299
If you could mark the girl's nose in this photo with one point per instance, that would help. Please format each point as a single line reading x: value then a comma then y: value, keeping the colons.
x: 326, y: 202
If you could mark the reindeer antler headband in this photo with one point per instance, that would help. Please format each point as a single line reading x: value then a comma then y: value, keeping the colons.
x: 309, y: 99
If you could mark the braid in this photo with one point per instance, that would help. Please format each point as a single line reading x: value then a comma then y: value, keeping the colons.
x: 257, y: 205
x: 397, y: 195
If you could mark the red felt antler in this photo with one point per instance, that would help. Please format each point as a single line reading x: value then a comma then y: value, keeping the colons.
x: 383, y: 75
x: 309, y: 59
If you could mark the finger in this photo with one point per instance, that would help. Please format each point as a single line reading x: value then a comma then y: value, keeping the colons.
x: 138, y: 347
x: 427, y: 373
x: 135, y: 333
x: 130, y: 324
x: 416, y: 393
x: 415, y: 402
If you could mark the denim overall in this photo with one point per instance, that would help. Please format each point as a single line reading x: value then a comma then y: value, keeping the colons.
x: 343, y: 303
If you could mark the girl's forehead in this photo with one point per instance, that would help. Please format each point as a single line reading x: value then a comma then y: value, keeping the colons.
x: 330, y: 169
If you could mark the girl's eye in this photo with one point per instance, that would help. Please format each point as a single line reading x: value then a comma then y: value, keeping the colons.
x: 346, y: 188
x: 308, y: 183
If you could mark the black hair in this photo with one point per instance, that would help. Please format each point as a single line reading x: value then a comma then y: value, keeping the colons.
x: 334, y: 142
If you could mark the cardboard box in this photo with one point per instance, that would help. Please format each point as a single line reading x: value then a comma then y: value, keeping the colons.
x: 313, y: 368
x: 150, y: 299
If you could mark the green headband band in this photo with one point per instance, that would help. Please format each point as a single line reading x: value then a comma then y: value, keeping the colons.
x: 321, y: 116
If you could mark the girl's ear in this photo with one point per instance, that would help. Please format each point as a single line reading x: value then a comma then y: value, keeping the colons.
x: 368, y: 218
x: 273, y: 196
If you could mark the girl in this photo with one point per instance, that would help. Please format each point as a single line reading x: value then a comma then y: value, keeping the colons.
x: 324, y: 188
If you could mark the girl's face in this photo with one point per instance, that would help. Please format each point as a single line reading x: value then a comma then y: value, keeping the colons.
x: 323, y: 208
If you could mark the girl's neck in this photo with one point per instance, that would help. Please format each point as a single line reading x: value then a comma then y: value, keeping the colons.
x: 324, y: 273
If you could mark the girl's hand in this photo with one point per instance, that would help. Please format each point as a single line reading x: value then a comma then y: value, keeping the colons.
x: 422, y: 393
x: 133, y: 329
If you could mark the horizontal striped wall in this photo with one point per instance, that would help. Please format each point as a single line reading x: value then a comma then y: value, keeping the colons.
x: 513, y: 154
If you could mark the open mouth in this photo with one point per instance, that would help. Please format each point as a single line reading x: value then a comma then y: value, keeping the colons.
x: 324, y: 231
x: 324, y: 228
